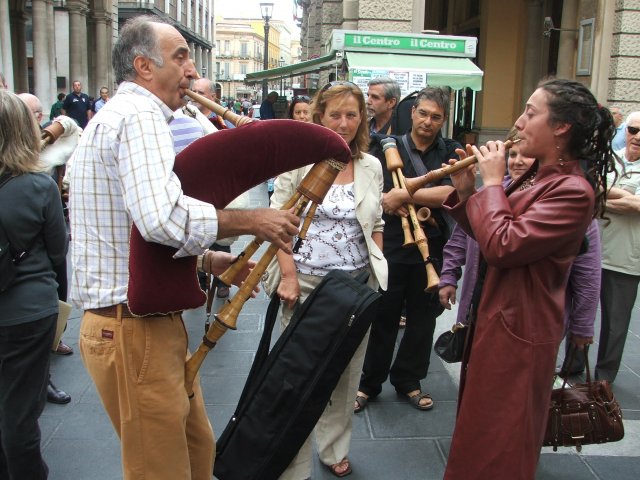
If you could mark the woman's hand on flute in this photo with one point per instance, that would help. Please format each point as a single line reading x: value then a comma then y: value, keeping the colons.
x: 491, y: 161
x: 394, y: 202
x: 464, y: 181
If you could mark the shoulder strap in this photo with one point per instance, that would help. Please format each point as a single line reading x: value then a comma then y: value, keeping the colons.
x: 4, y: 179
x: 418, y: 166
x: 18, y: 257
x: 263, y: 348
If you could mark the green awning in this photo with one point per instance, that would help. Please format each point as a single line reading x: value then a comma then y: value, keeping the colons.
x: 307, y: 66
x: 456, y: 73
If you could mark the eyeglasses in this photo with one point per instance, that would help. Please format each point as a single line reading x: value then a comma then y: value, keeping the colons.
x: 335, y: 83
x: 423, y: 114
x: 302, y: 98
x: 633, y: 130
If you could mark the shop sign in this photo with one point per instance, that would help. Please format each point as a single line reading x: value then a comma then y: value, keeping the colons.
x: 409, y: 80
x: 444, y: 45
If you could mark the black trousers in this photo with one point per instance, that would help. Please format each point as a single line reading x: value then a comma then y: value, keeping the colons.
x: 406, y: 283
x: 24, y: 372
x: 617, y: 297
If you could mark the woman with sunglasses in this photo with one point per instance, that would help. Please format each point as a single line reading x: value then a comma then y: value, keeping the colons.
x: 529, y: 235
x: 345, y: 234
x: 300, y: 108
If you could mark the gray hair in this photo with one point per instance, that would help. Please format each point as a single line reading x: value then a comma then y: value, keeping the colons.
x: 32, y: 102
x: 632, y: 115
x: 3, y: 81
x: 137, y: 39
x: 437, y: 95
x: 390, y: 86
x: 209, y: 85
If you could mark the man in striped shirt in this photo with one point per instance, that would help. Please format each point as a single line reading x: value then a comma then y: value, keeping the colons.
x: 122, y: 175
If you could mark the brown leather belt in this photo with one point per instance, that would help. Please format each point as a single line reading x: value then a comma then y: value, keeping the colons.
x: 112, y: 312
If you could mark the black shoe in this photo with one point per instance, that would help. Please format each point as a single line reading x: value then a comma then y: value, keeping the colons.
x: 54, y: 395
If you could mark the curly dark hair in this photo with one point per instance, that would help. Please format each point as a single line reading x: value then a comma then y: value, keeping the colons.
x: 592, y: 130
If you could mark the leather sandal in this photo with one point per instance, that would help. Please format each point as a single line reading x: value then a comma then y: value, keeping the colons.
x: 414, y: 400
x: 361, y: 403
x: 339, y: 470
x: 63, y: 349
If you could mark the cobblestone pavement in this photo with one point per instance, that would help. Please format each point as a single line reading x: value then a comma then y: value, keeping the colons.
x: 391, y: 440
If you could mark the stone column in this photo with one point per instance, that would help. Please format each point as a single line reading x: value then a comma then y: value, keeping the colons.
x: 102, y: 53
x: 78, y: 42
x: 41, y: 76
x: 350, y: 14
x: 198, y: 59
x: 19, y: 50
x: 192, y: 51
x: 568, y: 40
x: 417, y: 16
x: 53, y: 65
x: 603, y: 50
x: 196, y: 14
x: 532, y: 50
x: 209, y: 65
x: 6, y: 59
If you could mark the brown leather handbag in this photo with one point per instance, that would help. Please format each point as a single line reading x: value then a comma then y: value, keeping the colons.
x: 583, y: 414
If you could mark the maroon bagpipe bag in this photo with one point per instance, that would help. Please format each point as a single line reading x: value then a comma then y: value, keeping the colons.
x: 216, y: 169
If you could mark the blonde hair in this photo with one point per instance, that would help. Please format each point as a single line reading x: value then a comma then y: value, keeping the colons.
x: 19, y: 136
x: 360, y: 142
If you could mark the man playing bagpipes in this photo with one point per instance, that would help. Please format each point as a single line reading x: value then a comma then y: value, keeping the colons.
x: 131, y: 203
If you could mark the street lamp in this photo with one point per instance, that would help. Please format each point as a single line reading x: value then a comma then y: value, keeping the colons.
x: 266, y: 9
x: 281, y: 78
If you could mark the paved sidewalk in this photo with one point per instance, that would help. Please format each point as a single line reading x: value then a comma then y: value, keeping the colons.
x: 391, y: 440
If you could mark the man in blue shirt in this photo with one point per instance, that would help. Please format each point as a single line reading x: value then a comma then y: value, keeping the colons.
x: 266, y: 108
x: 77, y: 105
x: 104, y: 98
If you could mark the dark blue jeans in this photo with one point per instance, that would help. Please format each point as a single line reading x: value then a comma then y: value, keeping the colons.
x: 24, y: 372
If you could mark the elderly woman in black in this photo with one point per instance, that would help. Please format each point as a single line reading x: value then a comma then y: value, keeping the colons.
x: 32, y: 222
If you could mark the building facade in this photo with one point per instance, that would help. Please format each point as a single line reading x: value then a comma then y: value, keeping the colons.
x: 45, y: 45
x: 520, y: 42
x: 239, y: 46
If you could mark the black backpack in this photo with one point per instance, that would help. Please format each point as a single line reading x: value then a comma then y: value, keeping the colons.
x: 401, y: 118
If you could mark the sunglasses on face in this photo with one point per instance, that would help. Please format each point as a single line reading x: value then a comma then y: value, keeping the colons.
x: 633, y: 130
x: 338, y: 82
